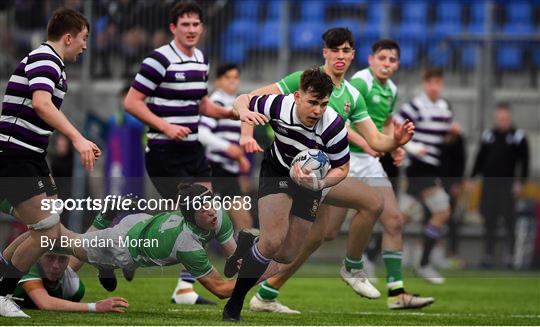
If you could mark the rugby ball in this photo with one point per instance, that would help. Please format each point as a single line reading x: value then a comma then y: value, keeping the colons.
x: 314, y: 161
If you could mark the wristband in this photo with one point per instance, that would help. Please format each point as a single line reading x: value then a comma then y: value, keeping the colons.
x: 91, y: 307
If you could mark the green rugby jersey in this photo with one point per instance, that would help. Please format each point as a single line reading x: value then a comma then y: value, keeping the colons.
x: 346, y: 100
x: 179, y: 241
x: 380, y: 99
x: 68, y: 287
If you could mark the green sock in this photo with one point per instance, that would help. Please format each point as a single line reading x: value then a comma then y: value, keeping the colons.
x: 5, y: 206
x: 353, y: 264
x: 392, y: 262
x: 267, y: 292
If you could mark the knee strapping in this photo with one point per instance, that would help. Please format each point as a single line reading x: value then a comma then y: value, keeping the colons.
x: 46, y: 223
x: 438, y: 201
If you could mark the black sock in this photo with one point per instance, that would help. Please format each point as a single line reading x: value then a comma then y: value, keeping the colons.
x: 9, y: 276
x: 396, y: 291
x: 253, y: 267
x: 186, y: 276
x: 431, y: 236
x: 374, y: 247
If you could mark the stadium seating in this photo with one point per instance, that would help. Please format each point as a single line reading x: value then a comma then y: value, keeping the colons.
x: 273, y: 9
x: 468, y: 56
x: 518, y: 28
x: 269, y: 35
x: 441, y: 30
x: 518, y: 11
x: 351, y: 3
x: 478, y: 12
x: 535, y: 54
x: 375, y: 13
x: 414, y: 11
x: 450, y: 11
x: 509, y: 57
x: 243, y: 30
x: 363, y: 50
x: 371, y: 30
x: 475, y: 28
x: 409, y: 55
x: 510, y: 54
x: 411, y: 30
x: 235, y: 52
x: 246, y: 8
x: 306, y: 35
x: 352, y: 24
x: 416, y: 30
x: 439, y: 55
x: 313, y: 10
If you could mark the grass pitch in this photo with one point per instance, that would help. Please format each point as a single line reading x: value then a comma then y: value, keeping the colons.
x: 468, y: 298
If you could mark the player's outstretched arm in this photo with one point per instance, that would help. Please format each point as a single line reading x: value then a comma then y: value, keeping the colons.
x: 46, y: 110
x: 249, y: 118
x: 209, y: 108
x: 381, y: 142
x: 241, y: 107
x: 217, y: 285
x: 268, y: 89
x: 135, y: 105
x: 38, y: 294
x: 214, y: 143
x: 357, y: 139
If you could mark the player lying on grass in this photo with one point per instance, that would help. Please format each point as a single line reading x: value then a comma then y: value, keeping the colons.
x: 106, y: 277
x: 168, y: 238
x: 52, y: 285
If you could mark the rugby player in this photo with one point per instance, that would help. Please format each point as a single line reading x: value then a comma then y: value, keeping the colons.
x: 169, y: 94
x: 285, y: 249
x: 169, y: 238
x: 51, y: 284
x: 434, y: 118
x: 221, y: 138
x: 30, y: 114
x: 348, y: 102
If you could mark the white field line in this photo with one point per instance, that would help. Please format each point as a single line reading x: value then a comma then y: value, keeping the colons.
x: 394, y: 313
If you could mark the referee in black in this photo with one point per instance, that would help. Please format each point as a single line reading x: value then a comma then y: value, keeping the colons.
x: 503, y: 161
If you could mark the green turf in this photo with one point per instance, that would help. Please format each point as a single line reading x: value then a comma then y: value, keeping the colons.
x: 471, y: 298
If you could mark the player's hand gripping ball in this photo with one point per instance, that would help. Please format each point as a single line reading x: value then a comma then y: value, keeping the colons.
x: 313, y: 161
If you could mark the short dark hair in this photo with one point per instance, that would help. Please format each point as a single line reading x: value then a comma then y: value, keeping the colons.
x: 336, y: 36
x: 503, y: 105
x: 185, y: 7
x: 225, y: 68
x: 432, y: 72
x: 65, y: 21
x: 385, y: 44
x: 317, y: 82
x: 188, y: 193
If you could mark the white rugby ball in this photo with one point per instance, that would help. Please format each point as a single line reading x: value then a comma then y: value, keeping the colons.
x: 314, y: 161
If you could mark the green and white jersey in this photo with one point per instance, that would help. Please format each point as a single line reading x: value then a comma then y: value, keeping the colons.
x: 179, y: 241
x: 68, y: 287
x: 380, y: 99
x: 345, y: 100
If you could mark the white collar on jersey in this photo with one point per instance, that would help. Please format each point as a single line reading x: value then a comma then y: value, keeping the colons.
x: 182, y: 55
